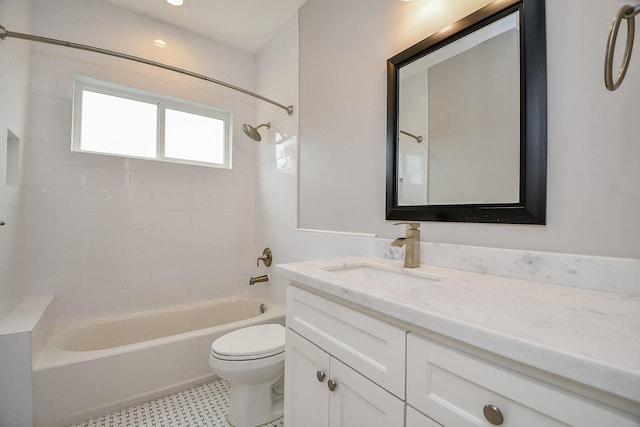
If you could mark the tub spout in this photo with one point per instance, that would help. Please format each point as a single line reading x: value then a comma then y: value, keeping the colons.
x: 259, y: 279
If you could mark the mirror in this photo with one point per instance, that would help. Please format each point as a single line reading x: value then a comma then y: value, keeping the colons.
x: 466, y: 120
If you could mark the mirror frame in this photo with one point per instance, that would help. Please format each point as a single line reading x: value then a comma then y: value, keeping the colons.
x: 531, y: 208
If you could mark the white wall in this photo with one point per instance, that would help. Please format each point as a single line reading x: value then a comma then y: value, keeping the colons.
x: 593, y: 150
x: 106, y: 233
x: 15, y: 65
x: 277, y: 173
x: 485, y: 169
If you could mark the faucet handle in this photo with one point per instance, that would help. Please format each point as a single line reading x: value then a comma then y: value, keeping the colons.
x: 410, y: 225
x: 266, y: 258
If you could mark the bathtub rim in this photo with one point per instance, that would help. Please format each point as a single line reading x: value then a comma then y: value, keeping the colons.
x: 52, y: 356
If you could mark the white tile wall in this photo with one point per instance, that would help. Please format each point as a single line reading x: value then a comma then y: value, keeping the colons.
x: 276, y: 191
x: 107, y: 233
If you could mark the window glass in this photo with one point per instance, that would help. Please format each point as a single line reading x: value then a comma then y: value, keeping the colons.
x: 117, y: 125
x: 193, y: 137
x: 123, y: 121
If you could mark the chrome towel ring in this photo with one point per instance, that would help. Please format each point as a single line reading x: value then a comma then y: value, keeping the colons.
x: 626, y: 12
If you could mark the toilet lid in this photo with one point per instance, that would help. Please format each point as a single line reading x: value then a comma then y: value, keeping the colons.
x: 251, y: 342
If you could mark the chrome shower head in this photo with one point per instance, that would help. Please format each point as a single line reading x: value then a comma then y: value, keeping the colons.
x: 252, y: 132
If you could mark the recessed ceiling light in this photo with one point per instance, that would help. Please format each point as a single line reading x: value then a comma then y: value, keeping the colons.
x: 176, y: 2
x: 160, y: 43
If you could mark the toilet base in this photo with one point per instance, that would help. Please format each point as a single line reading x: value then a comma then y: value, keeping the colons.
x: 256, y: 404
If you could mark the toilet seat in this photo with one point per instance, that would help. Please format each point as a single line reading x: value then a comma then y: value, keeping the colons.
x: 253, y: 342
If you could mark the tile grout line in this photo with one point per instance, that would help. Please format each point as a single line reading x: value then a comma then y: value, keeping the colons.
x: 204, y: 405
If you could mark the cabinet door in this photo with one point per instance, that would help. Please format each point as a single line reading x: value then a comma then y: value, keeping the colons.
x: 358, y: 402
x: 371, y: 346
x: 306, y: 398
x: 418, y: 419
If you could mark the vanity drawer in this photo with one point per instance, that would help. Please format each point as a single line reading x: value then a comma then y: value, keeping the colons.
x: 453, y: 387
x: 370, y: 346
x: 417, y: 419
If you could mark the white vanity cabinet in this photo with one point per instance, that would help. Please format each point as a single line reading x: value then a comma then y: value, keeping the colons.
x: 342, y: 368
x: 465, y: 350
x: 326, y: 392
x: 458, y: 388
x: 306, y: 391
x: 418, y: 419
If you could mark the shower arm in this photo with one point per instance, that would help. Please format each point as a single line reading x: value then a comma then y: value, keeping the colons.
x: 4, y: 33
x: 418, y: 138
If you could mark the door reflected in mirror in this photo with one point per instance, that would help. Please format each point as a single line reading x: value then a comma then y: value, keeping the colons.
x: 464, y: 102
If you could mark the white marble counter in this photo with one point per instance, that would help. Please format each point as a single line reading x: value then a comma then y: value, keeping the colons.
x: 588, y: 336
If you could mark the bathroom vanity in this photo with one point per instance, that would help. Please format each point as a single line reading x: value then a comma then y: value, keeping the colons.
x: 372, y: 343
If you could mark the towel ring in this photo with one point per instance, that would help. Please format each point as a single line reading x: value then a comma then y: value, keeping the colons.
x: 626, y: 12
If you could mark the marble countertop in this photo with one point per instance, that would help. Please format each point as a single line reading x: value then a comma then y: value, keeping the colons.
x: 588, y: 336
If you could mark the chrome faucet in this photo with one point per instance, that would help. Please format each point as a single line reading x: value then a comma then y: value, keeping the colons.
x: 411, y: 243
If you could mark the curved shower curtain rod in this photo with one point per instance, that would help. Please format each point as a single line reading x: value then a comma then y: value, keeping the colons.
x: 4, y: 33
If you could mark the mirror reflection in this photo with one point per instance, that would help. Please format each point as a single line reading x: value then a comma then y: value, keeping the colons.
x: 466, y: 120
x: 459, y: 121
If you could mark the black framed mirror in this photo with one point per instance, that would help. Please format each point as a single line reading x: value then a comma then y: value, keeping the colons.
x: 466, y: 120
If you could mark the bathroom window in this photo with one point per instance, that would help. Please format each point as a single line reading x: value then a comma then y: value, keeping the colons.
x: 122, y: 121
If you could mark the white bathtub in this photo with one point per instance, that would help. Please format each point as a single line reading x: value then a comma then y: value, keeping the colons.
x: 93, y: 366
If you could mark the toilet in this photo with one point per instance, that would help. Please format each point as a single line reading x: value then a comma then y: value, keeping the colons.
x: 252, y: 360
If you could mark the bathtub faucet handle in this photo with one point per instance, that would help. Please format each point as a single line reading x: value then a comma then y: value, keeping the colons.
x: 266, y: 258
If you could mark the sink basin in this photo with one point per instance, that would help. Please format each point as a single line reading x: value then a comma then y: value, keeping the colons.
x: 390, y: 277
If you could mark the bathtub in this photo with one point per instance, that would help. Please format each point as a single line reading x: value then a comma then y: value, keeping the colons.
x: 93, y: 366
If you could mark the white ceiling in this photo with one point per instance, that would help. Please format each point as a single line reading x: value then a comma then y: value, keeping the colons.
x: 243, y: 24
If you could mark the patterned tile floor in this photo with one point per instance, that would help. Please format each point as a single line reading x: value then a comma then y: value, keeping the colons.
x: 202, y: 406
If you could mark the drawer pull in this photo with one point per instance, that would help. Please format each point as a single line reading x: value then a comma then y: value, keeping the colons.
x: 493, y: 414
x: 320, y: 376
x: 332, y: 385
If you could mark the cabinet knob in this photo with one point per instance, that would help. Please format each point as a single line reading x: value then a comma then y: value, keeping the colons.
x: 332, y: 385
x: 320, y: 376
x: 493, y: 414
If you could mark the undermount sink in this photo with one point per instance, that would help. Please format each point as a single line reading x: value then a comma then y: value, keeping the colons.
x: 383, y: 276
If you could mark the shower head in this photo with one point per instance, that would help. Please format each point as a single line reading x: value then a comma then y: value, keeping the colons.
x: 252, y: 132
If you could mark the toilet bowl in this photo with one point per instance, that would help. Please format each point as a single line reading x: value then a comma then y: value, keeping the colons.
x: 252, y: 361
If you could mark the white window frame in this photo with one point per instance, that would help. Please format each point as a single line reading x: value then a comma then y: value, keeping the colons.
x: 162, y: 102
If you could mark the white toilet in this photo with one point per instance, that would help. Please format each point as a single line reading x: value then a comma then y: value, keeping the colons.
x: 252, y: 360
